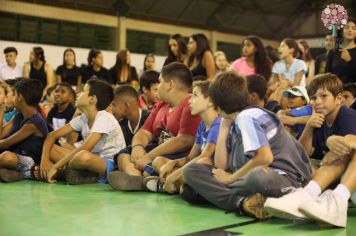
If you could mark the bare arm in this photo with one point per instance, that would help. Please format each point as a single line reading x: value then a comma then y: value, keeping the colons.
x: 263, y: 157
x: 208, y: 62
x: 4, y: 130
x: 58, y: 78
x: 180, y: 143
x: 221, y: 154
x: 298, y: 77
x: 26, y: 70
x: 24, y: 132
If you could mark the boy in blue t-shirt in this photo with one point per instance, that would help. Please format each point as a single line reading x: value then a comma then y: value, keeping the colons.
x: 275, y: 163
x: 298, y: 112
x: 323, y: 138
x: 170, y: 171
x: 23, y: 136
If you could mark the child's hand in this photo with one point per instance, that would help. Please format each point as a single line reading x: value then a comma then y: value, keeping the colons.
x: 345, y: 55
x: 51, y: 175
x: 222, y: 176
x: 333, y: 159
x: 338, y: 145
x: 170, y: 184
x: 142, y: 162
x: 45, y: 167
x: 287, y: 120
x: 166, y: 169
x: 316, y: 120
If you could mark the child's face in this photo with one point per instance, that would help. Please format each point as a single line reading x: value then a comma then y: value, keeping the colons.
x: 69, y: 58
x: 50, y: 98
x: 152, y: 93
x: 221, y: 62
x: 192, y: 45
x: 284, y: 50
x: 295, y: 101
x: 2, y: 96
x: 198, y: 103
x: 83, y: 98
x: 248, y: 48
x: 10, y: 98
x: 349, y: 31
x: 10, y: 58
x: 62, y: 95
x: 348, y: 98
x: 324, y: 102
x: 98, y: 60
x: 150, y: 63
x: 173, y: 45
x: 118, y: 108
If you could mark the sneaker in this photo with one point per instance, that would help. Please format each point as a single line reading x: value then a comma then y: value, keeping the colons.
x: 253, y: 206
x: 75, y: 177
x: 286, y: 207
x: 154, y: 184
x: 122, y: 181
x: 8, y: 176
x: 329, y: 208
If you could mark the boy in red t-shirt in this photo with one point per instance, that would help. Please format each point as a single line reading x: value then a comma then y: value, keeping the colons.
x: 169, y: 131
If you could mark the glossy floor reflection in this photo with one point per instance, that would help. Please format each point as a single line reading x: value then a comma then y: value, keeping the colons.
x: 34, y: 208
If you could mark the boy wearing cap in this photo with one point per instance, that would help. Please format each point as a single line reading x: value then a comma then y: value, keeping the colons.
x: 298, y: 112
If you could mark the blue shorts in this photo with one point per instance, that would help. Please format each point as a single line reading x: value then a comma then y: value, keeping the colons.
x: 148, y: 168
x: 110, y: 166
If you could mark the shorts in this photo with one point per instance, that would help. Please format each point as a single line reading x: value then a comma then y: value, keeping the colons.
x: 110, y: 166
x: 148, y: 168
x: 25, y: 165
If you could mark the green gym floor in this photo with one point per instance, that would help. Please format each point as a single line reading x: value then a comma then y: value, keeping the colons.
x: 35, y: 208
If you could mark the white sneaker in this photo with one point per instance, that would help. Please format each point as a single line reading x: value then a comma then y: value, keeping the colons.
x: 286, y: 207
x: 329, y: 208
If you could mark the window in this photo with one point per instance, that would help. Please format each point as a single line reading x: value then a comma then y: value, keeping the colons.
x: 22, y: 28
x: 145, y: 42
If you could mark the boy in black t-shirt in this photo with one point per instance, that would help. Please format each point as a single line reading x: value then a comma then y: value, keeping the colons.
x: 22, y: 138
x: 126, y: 111
x: 63, y: 110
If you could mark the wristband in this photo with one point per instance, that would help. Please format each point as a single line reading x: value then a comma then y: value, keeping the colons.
x: 137, y: 145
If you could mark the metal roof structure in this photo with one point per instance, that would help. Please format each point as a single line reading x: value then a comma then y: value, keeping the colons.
x: 272, y: 19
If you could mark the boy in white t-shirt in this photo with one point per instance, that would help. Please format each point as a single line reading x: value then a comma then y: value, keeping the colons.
x: 102, y: 137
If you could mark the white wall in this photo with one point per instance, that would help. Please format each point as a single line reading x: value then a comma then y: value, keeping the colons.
x: 54, y: 55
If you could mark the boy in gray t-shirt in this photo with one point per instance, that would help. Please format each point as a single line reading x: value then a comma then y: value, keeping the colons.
x: 270, y: 162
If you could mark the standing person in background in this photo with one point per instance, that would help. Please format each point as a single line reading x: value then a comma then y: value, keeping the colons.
x: 69, y: 72
x: 201, y: 59
x: 11, y: 69
x: 221, y: 63
x: 95, y: 67
x: 342, y: 62
x: 320, y: 61
x: 308, y: 59
x: 177, y: 49
x: 254, y: 59
x: 122, y: 72
x: 39, y: 69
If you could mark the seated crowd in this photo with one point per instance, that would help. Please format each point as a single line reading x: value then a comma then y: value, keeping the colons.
x: 255, y: 137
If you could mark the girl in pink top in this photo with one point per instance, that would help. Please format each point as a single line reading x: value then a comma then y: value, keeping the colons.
x: 254, y: 60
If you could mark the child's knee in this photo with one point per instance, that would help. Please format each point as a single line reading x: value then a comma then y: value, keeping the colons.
x: 8, y: 159
x: 158, y: 162
x: 80, y: 159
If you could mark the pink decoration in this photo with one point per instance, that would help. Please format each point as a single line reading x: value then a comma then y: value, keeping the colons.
x: 334, y: 14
